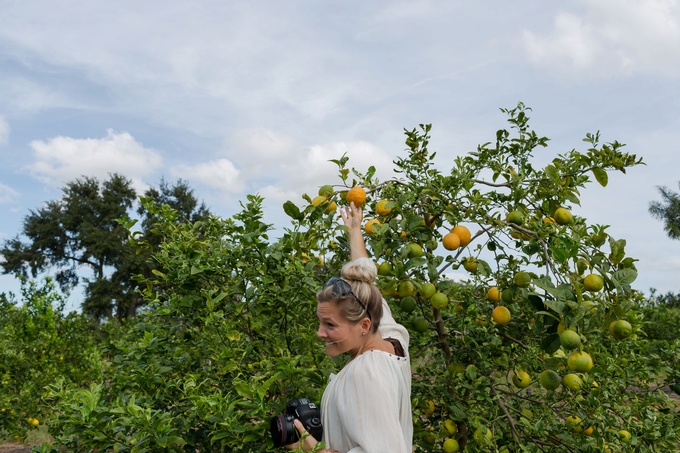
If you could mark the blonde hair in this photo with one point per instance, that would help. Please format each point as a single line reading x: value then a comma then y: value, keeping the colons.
x: 361, y: 279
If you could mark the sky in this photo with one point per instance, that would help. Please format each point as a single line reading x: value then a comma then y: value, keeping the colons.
x: 256, y: 97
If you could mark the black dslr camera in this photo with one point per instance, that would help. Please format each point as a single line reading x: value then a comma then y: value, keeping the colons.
x: 282, y: 428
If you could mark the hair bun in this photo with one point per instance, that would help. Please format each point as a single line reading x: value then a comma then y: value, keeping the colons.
x: 360, y: 270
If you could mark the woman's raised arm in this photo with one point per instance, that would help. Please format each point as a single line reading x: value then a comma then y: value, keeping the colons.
x: 352, y: 216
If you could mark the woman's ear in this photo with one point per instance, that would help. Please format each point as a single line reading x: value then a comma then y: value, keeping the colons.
x: 366, y: 325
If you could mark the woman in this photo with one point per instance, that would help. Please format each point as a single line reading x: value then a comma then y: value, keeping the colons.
x: 366, y: 408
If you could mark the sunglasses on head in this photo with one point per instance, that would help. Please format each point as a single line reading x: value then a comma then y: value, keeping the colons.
x: 341, y: 288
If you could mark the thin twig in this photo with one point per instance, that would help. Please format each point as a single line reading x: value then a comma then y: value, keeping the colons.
x: 511, y: 420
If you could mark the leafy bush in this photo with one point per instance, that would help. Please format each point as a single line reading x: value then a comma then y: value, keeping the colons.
x: 230, y: 337
x: 39, y: 344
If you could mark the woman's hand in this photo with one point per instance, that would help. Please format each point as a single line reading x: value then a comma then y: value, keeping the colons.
x: 308, y: 444
x: 352, y: 217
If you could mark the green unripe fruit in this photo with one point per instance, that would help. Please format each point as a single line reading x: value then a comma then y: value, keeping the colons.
x: 570, y: 340
x: 550, y: 380
x: 407, y: 304
x: 439, y: 300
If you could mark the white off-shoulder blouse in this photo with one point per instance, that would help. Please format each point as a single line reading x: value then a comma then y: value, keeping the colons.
x: 366, y: 407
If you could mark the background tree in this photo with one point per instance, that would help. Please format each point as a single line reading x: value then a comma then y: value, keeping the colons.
x: 668, y: 211
x: 81, y: 229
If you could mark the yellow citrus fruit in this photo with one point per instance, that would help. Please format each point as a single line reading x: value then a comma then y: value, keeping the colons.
x: 420, y: 324
x: 380, y: 208
x: 515, y: 217
x: 407, y: 304
x: 501, y: 315
x: 621, y: 329
x: 521, y: 379
x: 316, y: 201
x: 493, y: 294
x: 561, y: 327
x: 482, y: 435
x: 574, y: 423
x: 429, y: 409
x: 580, y: 361
x: 450, y: 427
x: 563, y: 216
x: 588, y: 431
x: 439, y: 300
x: 356, y: 195
x: 458, y: 308
x: 385, y: 269
x: 463, y: 234
x: 326, y: 190
x: 572, y: 382
x: 414, y: 250
x: 570, y: 340
x: 593, y: 283
x: 403, y: 235
x: 481, y: 321
x: 371, y: 226
x: 427, y: 290
x: 550, y: 380
x: 405, y: 288
x: 451, y: 446
x: 624, y: 435
x: 331, y: 207
x: 470, y: 265
x: 548, y: 220
x: 451, y: 241
x: 522, y: 279
x: 429, y: 439
x: 455, y: 368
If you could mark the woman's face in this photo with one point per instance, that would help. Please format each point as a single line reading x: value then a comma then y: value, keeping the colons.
x: 339, y: 334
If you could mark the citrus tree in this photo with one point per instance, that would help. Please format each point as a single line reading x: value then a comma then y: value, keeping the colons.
x: 540, y: 349
x: 39, y: 343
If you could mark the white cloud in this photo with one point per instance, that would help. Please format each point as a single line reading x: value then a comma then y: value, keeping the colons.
x: 609, y: 38
x: 307, y: 169
x: 62, y: 159
x: 219, y: 174
x: 4, y: 131
x: 7, y: 194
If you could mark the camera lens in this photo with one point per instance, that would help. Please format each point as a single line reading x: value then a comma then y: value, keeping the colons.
x: 283, y: 430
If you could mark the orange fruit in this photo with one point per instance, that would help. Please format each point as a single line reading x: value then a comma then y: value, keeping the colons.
x: 405, y: 288
x: 501, y: 315
x: 515, y: 217
x: 463, y: 234
x: 493, y: 294
x: 521, y: 379
x: 380, y: 208
x: 593, y: 282
x: 326, y: 190
x: 439, y: 300
x: 580, y: 361
x: 451, y: 241
x: 470, y: 265
x: 620, y: 329
x: 522, y: 279
x: 356, y: 195
x: 550, y: 380
x: 563, y: 216
x: 371, y: 226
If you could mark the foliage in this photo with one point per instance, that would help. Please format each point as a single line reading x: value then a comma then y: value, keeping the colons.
x: 668, y: 211
x: 39, y: 343
x: 81, y: 229
x: 231, y: 336
x: 228, y: 342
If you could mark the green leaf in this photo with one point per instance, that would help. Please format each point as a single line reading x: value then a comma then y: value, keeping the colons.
x: 292, y: 210
x: 601, y: 176
x: 196, y: 270
x: 625, y: 276
x: 551, y: 343
x: 415, y: 262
